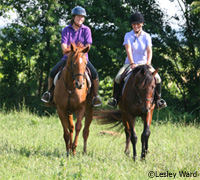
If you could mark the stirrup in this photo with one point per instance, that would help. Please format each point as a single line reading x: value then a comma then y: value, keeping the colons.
x: 96, y: 99
x: 112, y: 102
x: 47, y: 93
x: 161, y: 104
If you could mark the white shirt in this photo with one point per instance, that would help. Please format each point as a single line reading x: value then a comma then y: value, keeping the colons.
x: 138, y: 46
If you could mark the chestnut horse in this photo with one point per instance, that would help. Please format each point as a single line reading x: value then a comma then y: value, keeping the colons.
x: 137, y: 100
x: 71, y: 96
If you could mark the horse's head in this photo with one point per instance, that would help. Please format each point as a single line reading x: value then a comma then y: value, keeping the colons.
x: 77, y: 63
x: 144, y: 85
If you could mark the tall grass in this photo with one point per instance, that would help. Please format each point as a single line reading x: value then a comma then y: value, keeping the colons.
x: 32, y: 147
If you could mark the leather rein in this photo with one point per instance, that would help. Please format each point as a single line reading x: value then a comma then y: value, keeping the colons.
x: 146, y: 99
x: 74, y: 78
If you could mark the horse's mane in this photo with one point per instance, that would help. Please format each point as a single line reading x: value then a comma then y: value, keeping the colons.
x: 144, y: 74
x: 78, y: 48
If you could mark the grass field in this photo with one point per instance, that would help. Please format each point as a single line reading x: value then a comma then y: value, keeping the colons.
x: 32, y: 147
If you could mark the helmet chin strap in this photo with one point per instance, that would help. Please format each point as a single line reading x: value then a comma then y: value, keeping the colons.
x: 77, y: 24
x: 137, y: 32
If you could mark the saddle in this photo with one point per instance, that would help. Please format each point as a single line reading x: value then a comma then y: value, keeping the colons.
x: 124, y: 79
x: 87, y: 75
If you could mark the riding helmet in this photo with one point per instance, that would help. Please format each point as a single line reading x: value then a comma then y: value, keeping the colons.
x: 136, y: 17
x: 78, y: 10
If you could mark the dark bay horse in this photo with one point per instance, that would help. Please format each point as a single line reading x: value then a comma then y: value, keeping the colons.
x: 70, y: 96
x: 137, y: 100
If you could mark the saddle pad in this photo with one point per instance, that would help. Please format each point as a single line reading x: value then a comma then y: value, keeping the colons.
x: 125, y: 81
x: 88, y: 80
x: 86, y: 75
x: 56, y: 78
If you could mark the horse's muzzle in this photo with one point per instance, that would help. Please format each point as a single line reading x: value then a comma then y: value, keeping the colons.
x: 145, y: 109
x: 79, y: 85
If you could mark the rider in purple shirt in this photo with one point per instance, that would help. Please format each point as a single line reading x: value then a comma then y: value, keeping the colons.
x: 79, y: 34
x: 83, y: 35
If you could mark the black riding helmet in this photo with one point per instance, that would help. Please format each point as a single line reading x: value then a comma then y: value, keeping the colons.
x: 136, y: 17
x: 78, y: 10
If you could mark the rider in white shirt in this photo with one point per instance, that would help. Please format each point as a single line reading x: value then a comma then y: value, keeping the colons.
x: 138, y: 45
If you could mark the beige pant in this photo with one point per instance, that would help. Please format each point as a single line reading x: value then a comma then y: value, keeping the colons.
x: 118, y: 76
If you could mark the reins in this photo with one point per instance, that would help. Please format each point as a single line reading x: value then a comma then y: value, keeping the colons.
x: 138, y: 94
x: 74, y: 78
x: 140, y: 98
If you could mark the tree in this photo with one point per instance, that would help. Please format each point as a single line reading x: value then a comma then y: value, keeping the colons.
x: 30, y: 46
x: 184, y: 56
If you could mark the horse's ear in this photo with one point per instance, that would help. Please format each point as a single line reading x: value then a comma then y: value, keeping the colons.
x: 155, y: 72
x: 85, y: 50
x: 73, y: 47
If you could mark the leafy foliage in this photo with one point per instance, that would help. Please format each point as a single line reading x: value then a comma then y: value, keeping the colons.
x: 30, y: 47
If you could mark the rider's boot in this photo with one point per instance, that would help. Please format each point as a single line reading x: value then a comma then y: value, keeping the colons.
x: 116, y: 91
x: 160, y: 103
x: 96, y: 101
x: 46, y: 97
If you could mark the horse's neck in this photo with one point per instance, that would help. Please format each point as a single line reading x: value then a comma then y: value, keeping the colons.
x: 68, y: 79
x: 132, y: 85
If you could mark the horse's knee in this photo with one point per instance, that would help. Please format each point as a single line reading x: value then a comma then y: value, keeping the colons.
x: 146, y: 133
x: 66, y: 137
x: 85, y: 133
x: 78, y: 126
x: 71, y: 128
x: 134, y: 138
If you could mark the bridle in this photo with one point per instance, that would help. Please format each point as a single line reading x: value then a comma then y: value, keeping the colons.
x: 74, y: 78
x: 72, y: 73
x: 140, y: 98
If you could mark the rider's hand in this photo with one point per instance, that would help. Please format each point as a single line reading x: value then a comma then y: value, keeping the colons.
x: 133, y: 65
x: 148, y: 63
x: 80, y: 44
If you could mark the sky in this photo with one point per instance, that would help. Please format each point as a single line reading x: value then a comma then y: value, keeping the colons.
x: 170, y: 6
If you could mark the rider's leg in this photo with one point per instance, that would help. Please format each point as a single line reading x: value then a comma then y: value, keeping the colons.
x: 117, y: 87
x: 160, y: 103
x: 116, y: 91
x: 48, y: 95
x: 96, y: 101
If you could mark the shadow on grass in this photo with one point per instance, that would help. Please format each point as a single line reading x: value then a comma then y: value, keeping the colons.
x: 5, y: 147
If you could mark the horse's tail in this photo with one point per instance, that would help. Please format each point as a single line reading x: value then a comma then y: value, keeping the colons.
x: 113, y: 118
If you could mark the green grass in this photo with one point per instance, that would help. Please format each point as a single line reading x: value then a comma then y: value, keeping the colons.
x: 32, y: 147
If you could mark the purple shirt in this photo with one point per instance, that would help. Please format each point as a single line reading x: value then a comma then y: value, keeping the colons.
x: 83, y: 35
x: 138, y: 46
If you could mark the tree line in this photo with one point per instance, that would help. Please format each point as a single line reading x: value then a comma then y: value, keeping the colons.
x: 30, y: 47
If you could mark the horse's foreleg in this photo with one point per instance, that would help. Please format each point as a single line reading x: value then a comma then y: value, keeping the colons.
x: 88, y: 120
x: 71, y: 129
x: 128, y: 139
x: 79, y: 116
x: 65, y: 123
x: 134, y: 142
x: 146, y: 133
x: 131, y: 121
x: 127, y: 133
x: 144, y: 140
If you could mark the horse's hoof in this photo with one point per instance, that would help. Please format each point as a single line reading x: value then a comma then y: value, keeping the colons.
x: 74, y: 152
x: 134, y: 158
x: 67, y: 153
x: 126, y: 152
